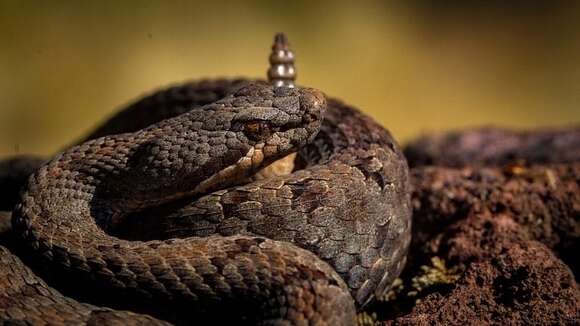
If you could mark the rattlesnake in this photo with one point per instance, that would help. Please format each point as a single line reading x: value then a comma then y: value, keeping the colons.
x: 159, y: 211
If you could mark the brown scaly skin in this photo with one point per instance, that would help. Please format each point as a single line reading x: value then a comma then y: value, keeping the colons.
x: 348, y: 203
x: 27, y: 300
x: 176, y: 100
x: 343, y: 205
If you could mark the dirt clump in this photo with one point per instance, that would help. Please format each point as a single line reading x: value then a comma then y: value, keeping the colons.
x: 496, y: 231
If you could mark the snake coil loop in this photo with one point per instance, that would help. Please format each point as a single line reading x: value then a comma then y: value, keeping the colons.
x: 175, y: 169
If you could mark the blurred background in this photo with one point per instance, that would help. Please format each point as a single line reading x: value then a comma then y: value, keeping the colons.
x: 416, y: 66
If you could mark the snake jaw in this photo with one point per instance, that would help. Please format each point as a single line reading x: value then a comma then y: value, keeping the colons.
x: 237, y: 171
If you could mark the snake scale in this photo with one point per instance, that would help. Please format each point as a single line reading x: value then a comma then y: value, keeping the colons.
x: 159, y: 212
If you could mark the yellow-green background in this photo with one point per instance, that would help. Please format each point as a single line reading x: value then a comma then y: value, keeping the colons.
x: 414, y: 66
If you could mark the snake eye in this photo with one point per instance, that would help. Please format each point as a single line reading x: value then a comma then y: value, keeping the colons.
x: 257, y: 129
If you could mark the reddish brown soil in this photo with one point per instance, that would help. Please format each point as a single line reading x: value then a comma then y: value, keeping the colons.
x: 543, y: 200
x: 507, y: 278
x: 505, y: 221
x: 495, y: 146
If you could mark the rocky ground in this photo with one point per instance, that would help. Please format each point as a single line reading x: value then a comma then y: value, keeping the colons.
x: 496, y: 231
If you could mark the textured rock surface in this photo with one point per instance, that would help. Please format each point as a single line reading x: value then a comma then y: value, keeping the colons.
x: 495, y: 146
x: 496, y: 231
x: 544, y: 200
x: 507, y: 278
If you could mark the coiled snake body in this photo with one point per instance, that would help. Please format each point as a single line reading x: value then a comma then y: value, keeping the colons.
x: 211, y: 242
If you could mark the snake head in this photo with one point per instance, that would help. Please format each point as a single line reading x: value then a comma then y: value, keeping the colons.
x: 223, y: 143
x: 277, y: 120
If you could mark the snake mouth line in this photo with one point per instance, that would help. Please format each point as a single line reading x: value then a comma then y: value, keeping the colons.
x: 238, y: 171
x: 231, y: 175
